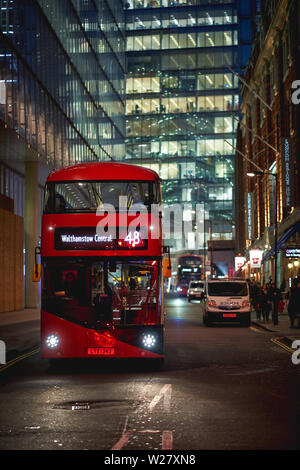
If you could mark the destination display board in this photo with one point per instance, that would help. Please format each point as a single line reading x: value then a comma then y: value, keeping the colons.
x: 87, y: 238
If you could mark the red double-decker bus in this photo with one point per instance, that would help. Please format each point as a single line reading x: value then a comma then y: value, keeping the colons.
x: 189, y: 268
x: 102, y: 258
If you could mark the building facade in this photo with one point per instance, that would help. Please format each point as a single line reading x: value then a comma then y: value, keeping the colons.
x: 62, y: 99
x: 182, y: 104
x: 268, y: 138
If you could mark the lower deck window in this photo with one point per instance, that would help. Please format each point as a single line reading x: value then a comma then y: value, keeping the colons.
x: 114, y: 293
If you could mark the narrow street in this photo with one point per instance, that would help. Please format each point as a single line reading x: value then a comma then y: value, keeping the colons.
x: 225, y: 387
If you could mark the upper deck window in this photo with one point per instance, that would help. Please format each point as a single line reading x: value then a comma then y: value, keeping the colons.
x: 88, y: 196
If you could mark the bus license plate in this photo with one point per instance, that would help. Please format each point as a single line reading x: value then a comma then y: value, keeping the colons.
x: 101, y: 351
x: 229, y: 315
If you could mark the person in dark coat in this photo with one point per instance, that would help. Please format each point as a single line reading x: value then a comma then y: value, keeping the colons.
x: 257, y: 302
x: 70, y: 285
x: 103, y: 303
x: 265, y: 304
x: 275, y: 297
x: 294, y: 303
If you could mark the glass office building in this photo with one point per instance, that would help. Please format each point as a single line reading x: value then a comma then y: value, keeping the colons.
x: 62, y: 68
x: 62, y: 98
x: 182, y: 105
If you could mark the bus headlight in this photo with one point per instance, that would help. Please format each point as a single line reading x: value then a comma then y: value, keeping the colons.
x: 52, y: 341
x: 149, y: 341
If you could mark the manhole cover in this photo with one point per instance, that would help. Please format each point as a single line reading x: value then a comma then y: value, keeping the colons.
x: 87, y: 405
x: 81, y: 406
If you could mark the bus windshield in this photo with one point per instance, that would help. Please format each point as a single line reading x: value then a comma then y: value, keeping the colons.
x: 88, y: 196
x: 102, y: 293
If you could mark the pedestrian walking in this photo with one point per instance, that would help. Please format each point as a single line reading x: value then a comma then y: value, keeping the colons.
x: 294, y: 303
x: 256, y: 294
x: 274, y: 297
x: 265, y: 304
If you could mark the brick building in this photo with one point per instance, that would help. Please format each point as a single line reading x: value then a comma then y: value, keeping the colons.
x: 268, y: 139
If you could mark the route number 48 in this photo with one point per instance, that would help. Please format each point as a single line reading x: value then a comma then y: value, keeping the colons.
x: 133, y: 238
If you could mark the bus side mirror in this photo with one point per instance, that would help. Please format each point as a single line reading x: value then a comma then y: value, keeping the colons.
x: 37, y: 269
x: 167, y: 268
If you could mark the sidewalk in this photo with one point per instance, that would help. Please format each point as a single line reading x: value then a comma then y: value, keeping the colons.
x: 281, y: 330
x: 21, y: 316
x: 20, y: 330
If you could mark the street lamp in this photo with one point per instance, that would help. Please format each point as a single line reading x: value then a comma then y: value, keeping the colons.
x: 263, y: 173
x: 211, y: 247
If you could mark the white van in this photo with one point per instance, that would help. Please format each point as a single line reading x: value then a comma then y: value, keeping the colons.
x: 196, y: 290
x: 227, y: 301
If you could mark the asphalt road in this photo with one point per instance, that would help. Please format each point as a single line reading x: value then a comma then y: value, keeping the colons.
x: 221, y: 388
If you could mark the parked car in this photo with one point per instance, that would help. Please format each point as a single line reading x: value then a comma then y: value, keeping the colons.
x: 196, y: 290
x: 227, y: 301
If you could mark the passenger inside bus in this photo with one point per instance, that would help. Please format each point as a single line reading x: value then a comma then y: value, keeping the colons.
x: 103, y: 304
x: 70, y: 284
x: 60, y: 203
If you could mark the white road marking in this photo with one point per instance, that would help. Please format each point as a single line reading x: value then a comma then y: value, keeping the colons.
x: 164, y: 393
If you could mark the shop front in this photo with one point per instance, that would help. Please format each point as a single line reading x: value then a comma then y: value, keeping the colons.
x: 288, y: 258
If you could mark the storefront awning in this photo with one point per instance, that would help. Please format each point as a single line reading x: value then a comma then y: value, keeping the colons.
x: 281, y: 241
